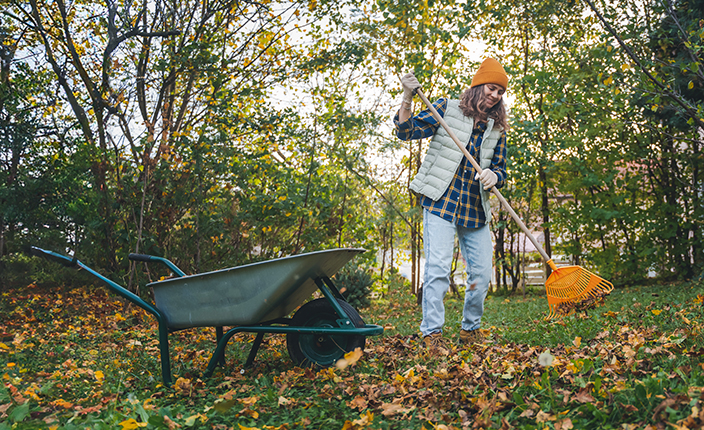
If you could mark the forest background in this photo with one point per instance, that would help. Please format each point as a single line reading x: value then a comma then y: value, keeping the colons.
x: 218, y: 133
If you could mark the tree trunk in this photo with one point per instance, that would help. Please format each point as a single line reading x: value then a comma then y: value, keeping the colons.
x: 545, y: 211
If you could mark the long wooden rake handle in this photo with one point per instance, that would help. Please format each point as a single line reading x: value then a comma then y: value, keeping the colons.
x: 494, y: 190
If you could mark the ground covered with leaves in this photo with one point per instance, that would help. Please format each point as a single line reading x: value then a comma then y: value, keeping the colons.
x: 80, y: 358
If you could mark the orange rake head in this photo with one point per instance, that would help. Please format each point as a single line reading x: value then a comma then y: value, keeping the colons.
x: 573, y: 288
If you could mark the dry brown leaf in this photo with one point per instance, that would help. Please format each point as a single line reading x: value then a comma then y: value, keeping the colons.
x: 505, y: 425
x: 391, y: 409
x: 527, y: 413
x: 565, y: 424
x: 170, y: 423
x: 583, y: 396
x: 627, y: 408
x: 358, y: 402
x: 544, y: 417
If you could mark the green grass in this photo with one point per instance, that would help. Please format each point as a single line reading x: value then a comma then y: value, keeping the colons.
x: 78, y: 358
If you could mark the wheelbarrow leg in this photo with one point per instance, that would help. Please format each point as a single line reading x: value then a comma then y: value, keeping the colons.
x: 255, y: 348
x: 164, y: 351
x: 220, y: 350
x: 218, y: 335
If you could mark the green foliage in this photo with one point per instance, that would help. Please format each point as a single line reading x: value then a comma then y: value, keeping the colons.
x: 355, y: 282
x: 230, y: 141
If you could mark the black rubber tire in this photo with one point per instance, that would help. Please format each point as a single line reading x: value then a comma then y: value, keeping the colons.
x: 309, y: 350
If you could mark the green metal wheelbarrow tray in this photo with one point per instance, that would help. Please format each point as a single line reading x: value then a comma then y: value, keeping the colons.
x: 255, y: 298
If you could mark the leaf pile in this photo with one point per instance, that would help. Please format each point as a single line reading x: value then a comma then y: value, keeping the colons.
x: 80, y: 358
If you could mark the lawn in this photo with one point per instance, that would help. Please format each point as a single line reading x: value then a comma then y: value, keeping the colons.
x: 79, y: 358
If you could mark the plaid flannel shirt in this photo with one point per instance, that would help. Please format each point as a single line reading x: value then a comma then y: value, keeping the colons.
x: 461, y: 203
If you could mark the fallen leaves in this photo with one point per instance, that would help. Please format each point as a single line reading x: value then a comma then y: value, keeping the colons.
x: 498, y: 384
x: 362, y: 422
x: 132, y: 424
x: 565, y: 424
x: 583, y: 396
x: 391, y: 409
x: 183, y: 385
x: 349, y: 359
x: 358, y: 402
x: 577, y: 341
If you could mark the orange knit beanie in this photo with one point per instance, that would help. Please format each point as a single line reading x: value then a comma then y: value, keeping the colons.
x: 490, y: 72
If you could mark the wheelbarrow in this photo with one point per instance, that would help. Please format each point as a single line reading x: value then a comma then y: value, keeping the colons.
x: 254, y: 298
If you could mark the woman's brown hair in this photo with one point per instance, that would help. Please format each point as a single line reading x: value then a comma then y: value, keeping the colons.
x: 470, y: 104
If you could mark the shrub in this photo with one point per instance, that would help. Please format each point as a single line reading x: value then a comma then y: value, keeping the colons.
x: 354, y: 283
x: 19, y: 270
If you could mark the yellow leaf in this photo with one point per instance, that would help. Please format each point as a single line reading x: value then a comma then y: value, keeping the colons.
x: 5, y: 347
x: 609, y: 80
x: 577, y: 341
x: 31, y: 392
x: 63, y: 404
x: 656, y: 311
x: 222, y: 405
x: 192, y: 419
x: 182, y: 384
x: 247, y: 428
x: 250, y: 413
x: 99, y: 376
x: 364, y: 420
x: 249, y: 401
x: 131, y: 424
x: 350, y: 358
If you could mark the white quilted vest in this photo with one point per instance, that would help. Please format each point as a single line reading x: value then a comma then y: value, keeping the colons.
x: 444, y: 157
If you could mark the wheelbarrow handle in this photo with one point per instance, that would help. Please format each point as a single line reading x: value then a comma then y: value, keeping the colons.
x: 123, y: 292
x: 52, y: 256
x: 140, y: 257
x: 164, y: 261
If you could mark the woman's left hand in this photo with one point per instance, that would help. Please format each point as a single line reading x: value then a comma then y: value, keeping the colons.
x: 487, y: 178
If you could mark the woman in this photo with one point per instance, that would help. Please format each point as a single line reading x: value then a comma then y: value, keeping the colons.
x: 454, y: 197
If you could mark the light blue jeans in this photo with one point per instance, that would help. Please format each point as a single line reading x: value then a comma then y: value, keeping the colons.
x: 438, y: 244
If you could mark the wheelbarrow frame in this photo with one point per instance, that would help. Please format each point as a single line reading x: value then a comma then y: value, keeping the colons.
x: 274, y: 326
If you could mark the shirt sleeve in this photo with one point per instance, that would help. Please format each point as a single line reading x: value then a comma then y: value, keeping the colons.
x: 498, y: 161
x: 422, y: 125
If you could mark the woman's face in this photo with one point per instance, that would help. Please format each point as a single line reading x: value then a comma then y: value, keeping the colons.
x: 492, y: 94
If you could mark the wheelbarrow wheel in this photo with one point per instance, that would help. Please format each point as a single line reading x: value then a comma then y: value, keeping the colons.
x: 310, y: 350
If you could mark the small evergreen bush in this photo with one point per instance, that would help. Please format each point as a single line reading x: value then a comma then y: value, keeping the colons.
x: 354, y: 282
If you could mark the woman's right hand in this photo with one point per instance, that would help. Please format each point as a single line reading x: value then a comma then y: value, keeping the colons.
x: 410, y: 83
